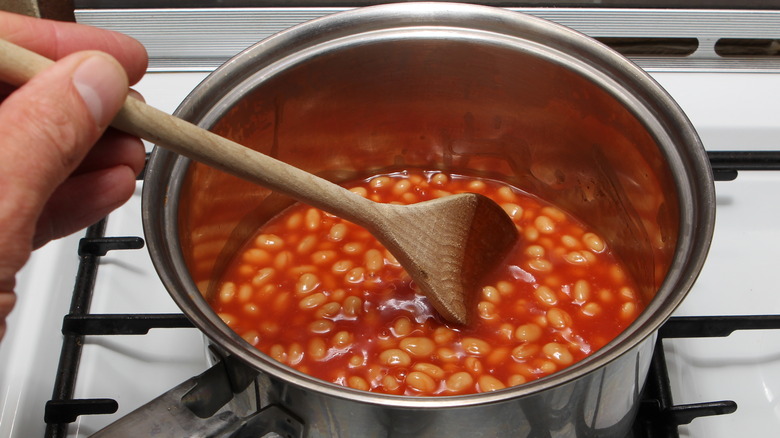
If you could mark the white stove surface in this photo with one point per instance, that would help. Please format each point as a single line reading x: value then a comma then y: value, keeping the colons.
x: 731, y: 111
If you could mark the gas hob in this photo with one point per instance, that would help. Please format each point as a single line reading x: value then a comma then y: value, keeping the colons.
x: 733, y: 101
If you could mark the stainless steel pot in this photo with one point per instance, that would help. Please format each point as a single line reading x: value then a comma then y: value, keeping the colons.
x: 457, y: 87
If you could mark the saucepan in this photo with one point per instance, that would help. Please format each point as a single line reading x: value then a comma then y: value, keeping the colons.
x: 454, y: 87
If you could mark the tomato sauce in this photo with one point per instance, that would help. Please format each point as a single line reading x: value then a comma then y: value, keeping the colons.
x: 321, y: 295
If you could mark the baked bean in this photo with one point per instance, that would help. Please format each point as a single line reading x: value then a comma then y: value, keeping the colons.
x: 374, y: 260
x: 535, y: 251
x: 402, y: 327
x: 558, y: 318
x: 528, y: 333
x: 589, y: 256
x: 627, y: 310
x: 357, y: 382
x: 227, y: 318
x: 547, y: 367
x: 505, y: 193
x: 401, y: 187
x: 558, y: 353
x: 251, y: 336
x: 306, y: 244
x: 227, y: 292
x: 283, y: 260
x: 317, y: 348
x: 488, y: 383
x: 295, y: 354
x: 554, y: 214
x: 513, y: 210
x: 593, y: 242
x: 256, y: 256
x: 443, y: 335
x: 581, y: 291
x: 487, y: 310
x: 540, y: 265
x: 439, y: 179
x: 356, y: 361
x: 473, y: 365
x: 591, y: 309
x: 294, y: 222
x: 356, y: 275
x: 251, y: 309
x: 420, y: 382
x: 361, y: 191
x: 544, y: 224
x: 306, y: 284
x: 459, y: 382
x: 353, y: 248
x: 328, y: 310
x: 312, y: 219
x: 525, y: 352
x: 546, y: 296
x: 530, y: 233
x: 477, y: 186
x: 375, y: 373
x: 342, y: 267
x: 321, y: 326
x: 246, y: 270
x: 447, y: 355
x: 263, y: 276
x: 390, y: 383
x: 505, y: 288
x: 379, y: 182
x: 570, y: 242
x: 352, y: 306
x: 278, y: 353
x: 430, y: 369
x: 617, y: 274
x: 418, y: 346
x: 497, y: 356
x: 475, y: 346
x: 575, y: 258
x: 516, y: 379
x: 395, y: 357
x: 627, y: 293
x: 338, y: 232
x: 270, y: 242
x: 409, y: 198
x: 324, y: 257
x: 490, y: 293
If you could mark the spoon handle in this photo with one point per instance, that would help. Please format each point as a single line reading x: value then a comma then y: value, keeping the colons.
x: 19, y: 65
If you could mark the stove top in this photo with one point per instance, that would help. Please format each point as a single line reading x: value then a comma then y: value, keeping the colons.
x: 734, y: 107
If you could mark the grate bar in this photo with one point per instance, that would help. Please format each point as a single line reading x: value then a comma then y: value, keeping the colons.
x: 121, y: 324
x: 66, y: 411
x: 716, y: 326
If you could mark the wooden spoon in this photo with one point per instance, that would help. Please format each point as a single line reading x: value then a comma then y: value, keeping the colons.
x: 446, y: 245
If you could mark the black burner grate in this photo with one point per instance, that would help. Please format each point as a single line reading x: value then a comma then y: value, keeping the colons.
x: 658, y: 416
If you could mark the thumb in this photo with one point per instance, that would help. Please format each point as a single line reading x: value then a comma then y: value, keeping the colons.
x: 46, y: 128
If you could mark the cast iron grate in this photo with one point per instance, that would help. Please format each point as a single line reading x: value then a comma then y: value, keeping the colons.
x: 658, y: 415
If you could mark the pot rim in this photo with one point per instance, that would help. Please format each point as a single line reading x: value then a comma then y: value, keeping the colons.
x: 670, y: 127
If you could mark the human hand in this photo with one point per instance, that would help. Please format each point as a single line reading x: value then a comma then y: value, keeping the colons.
x: 60, y: 168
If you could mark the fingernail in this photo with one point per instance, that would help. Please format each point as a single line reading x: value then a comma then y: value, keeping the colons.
x: 102, y: 85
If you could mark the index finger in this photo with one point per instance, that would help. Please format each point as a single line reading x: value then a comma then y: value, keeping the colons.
x: 55, y: 39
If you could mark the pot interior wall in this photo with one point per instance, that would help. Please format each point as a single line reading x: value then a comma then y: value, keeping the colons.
x: 441, y: 103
